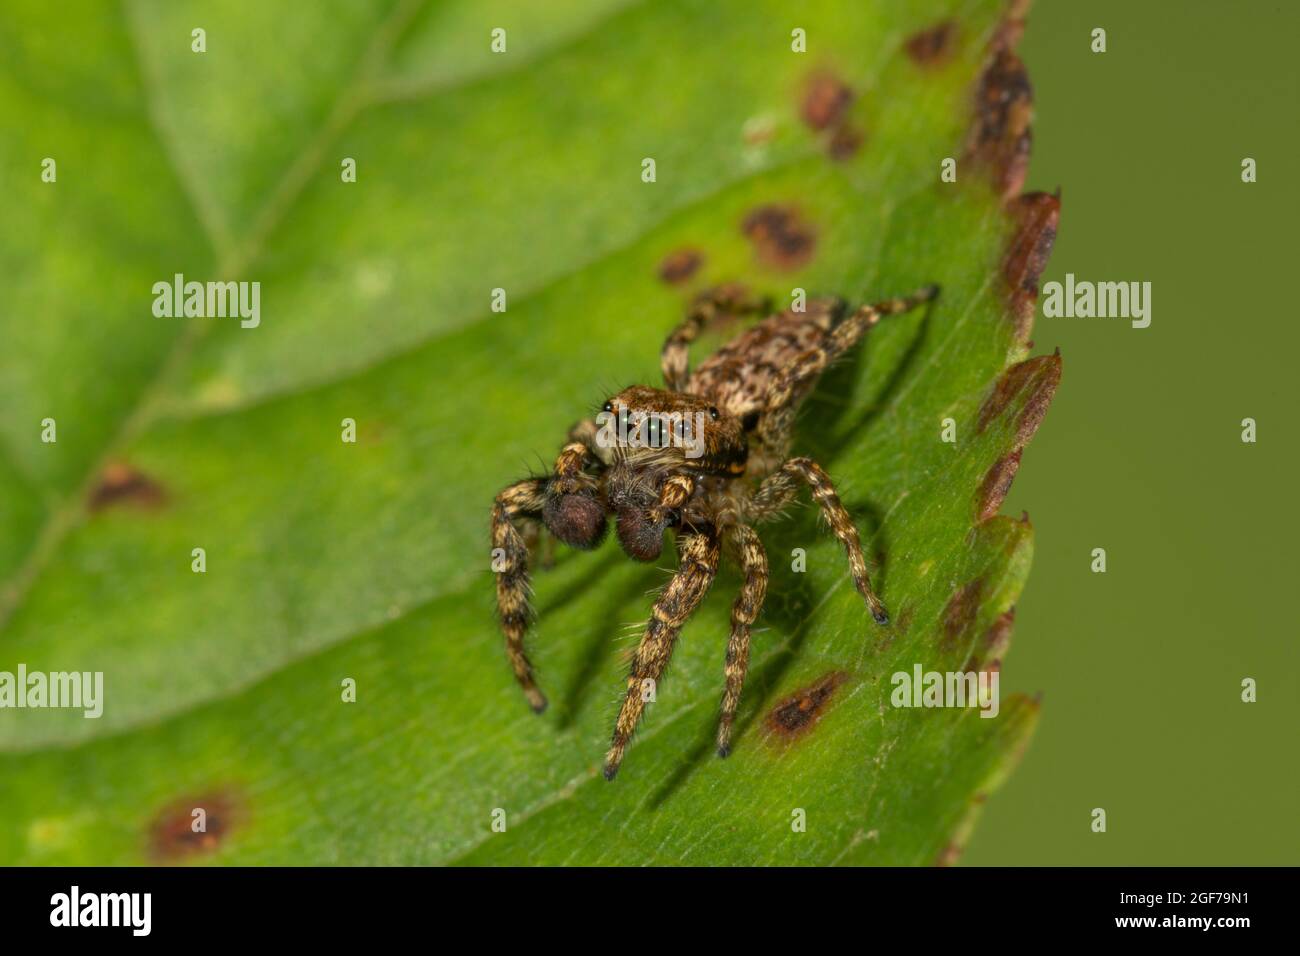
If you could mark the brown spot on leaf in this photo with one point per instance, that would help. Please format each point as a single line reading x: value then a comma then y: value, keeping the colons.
x: 825, y: 109
x: 781, y: 237
x: 1044, y: 387
x: 999, y: 139
x: 799, y: 713
x: 120, y: 483
x: 1008, y: 386
x: 1039, y: 377
x: 825, y: 101
x: 988, y: 654
x: 172, y: 834
x: 680, y: 265
x: 933, y: 47
x: 1036, y: 216
x: 960, y: 613
x: 844, y: 142
x: 993, y: 490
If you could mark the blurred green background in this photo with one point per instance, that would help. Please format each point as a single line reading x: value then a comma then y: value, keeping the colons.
x: 1140, y: 668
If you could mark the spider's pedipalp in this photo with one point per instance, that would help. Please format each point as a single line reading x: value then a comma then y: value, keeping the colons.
x: 781, y: 486
x: 572, y: 510
x: 699, y: 553
x: 749, y: 602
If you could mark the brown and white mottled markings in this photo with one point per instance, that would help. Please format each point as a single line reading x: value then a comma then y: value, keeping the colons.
x: 705, y: 457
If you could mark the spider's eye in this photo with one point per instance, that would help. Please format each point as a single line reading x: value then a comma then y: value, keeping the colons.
x: 607, y: 407
x: 654, y: 429
x: 713, y: 413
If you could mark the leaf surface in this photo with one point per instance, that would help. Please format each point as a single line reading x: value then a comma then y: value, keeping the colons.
x: 328, y: 560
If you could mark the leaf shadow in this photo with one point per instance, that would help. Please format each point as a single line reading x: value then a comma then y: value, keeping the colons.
x: 897, y: 376
x: 605, y: 630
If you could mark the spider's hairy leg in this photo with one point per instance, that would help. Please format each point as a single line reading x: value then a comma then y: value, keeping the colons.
x: 753, y: 562
x: 519, y: 502
x: 707, y: 307
x: 699, y: 552
x: 777, y: 491
x: 781, y: 399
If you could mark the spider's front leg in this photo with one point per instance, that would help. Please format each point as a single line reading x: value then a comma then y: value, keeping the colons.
x: 522, y: 501
x: 567, y: 503
x: 698, y: 551
x: 707, y: 307
x: 753, y: 562
x: 779, y: 489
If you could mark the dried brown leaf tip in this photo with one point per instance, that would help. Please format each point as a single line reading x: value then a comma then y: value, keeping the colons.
x: 782, y: 239
x: 993, y: 489
x: 121, y: 483
x: 799, y: 713
x: 192, y: 826
x: 678, y: 266
x: 999, y: 139
x: 934, y: 46
x: 1031, y: 383
x: 1036, y: 216
x: 825, y: 109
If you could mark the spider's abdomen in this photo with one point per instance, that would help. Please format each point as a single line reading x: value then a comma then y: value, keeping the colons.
x: 737, y: 376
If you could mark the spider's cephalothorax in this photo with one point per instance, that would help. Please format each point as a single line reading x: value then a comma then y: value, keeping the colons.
x: 705, y: 456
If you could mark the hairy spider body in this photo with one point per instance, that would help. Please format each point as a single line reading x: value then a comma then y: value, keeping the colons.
x: 704, y: 456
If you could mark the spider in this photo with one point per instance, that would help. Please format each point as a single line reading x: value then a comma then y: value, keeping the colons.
x: 704, y: 456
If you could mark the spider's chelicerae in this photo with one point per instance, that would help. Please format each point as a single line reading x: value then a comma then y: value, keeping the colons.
x: 704, y: 456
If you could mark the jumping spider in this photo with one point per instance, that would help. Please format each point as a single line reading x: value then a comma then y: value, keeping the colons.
x: 710, y: 484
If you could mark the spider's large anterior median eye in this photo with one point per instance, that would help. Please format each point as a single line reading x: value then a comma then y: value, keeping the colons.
x: 713, y: 413
x: 654, y: 431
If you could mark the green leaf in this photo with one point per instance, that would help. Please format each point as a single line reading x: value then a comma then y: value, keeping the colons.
x: 328, y: 560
